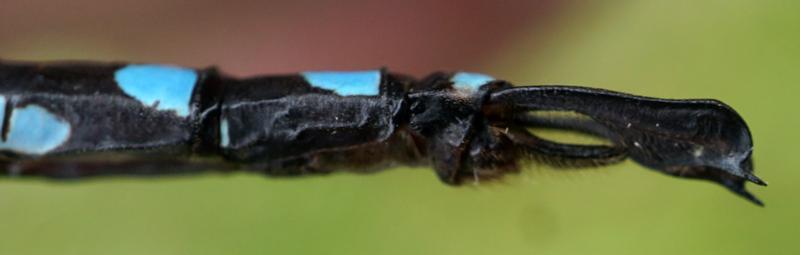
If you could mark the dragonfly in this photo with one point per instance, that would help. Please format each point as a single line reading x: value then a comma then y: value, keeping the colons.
x: 75, y: 120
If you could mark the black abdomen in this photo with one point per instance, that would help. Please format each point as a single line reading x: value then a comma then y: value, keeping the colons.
x: 84, y: 108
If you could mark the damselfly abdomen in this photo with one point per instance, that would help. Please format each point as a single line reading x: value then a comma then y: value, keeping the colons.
x: 73, y: 120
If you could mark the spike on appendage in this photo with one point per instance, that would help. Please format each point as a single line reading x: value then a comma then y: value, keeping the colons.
x: 754, y: 179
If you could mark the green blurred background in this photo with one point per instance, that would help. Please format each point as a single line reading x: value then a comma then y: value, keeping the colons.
x: 745, y: 53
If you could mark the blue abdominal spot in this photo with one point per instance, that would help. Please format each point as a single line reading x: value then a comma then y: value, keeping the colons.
x: 225, y: 137
x: 2, y: 107
x: 34, y: 130
x: 168, y: 87
x: 358, y: 83
x: 470, y: 81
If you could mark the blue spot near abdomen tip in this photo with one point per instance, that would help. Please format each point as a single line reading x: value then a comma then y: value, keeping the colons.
x: 470, y: 81
x: 357, y: 83
x: 169, y: 87
x: 225, y: 136
x: 34, y: 130
x: 2, y: 107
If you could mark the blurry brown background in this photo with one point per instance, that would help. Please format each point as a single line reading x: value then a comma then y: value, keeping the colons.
x: 249, y: 37
x: 742, y: 52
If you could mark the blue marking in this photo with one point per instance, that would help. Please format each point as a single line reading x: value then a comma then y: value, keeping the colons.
x: 2, y: 108
x: 34, y: 130
x: 168, y: 86
x: 225, y: 137
x: 358, y: 83
x: 470, y: 81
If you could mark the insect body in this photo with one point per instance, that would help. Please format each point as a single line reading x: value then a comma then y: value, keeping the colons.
x: 73, y: 120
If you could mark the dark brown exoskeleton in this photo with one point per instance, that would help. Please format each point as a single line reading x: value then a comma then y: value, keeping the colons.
x: 73, y: 120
